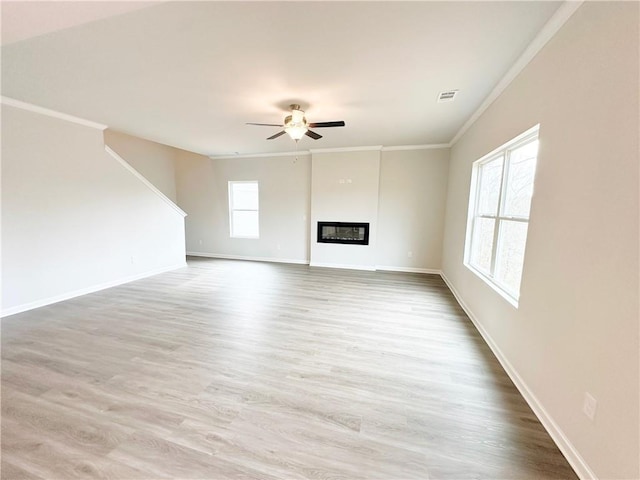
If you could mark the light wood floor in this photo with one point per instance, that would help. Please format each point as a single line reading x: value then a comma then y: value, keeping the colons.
x: 245, y: 370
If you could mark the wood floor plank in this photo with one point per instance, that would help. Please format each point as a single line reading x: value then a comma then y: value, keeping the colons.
x: 12, y: 471
x: 165, y: 458
x: 228, y: 369
x: 49, y: 459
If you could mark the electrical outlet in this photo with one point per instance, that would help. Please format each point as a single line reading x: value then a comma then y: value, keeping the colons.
x: 409, y: 254
x: 199, y: 242
x: 278, y: 246
x: 589, y: 406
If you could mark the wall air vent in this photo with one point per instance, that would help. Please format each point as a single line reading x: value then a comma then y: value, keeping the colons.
x: 447, y: 96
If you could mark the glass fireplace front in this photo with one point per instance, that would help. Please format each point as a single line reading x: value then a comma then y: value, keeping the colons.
x: 347, y: 233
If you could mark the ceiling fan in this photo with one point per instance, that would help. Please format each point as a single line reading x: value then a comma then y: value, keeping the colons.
x: 296, y: 125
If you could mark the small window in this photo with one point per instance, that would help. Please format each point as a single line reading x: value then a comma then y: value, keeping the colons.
x: 244, y: 209
x: 499, y: 204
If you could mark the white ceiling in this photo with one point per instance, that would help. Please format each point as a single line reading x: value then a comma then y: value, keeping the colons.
x: 26, y: 19
x: 191, y: 74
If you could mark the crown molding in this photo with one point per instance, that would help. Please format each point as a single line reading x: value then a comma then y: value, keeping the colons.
x: 434, y: 146
x: 549, y: 30
x: 346, y: 149
x: 12, y: 102
x: 261, y: 155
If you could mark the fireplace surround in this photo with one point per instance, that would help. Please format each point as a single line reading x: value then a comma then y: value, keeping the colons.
x: 346, y: 233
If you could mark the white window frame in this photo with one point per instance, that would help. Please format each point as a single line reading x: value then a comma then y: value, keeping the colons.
x: 501, y: 152
x: 232, y: 209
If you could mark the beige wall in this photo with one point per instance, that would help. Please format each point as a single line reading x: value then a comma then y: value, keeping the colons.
x: 344, y: 188
x: 284, y: 184
x: 195, y: 190
x: 576, y: 329
x: 401, y: 193
x: 153, y: 160
x: 413, y: 193
x: 73, y: 218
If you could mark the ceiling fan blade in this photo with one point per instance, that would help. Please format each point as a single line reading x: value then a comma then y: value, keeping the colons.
x: 276, y: 135
x: 327, y: 124
x: 313, y: 135
x: 265, y: 124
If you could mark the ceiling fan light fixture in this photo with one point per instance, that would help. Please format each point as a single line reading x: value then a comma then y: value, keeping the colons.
x: 295, y: 124
x: 297, y: 115
x: 296, y: 131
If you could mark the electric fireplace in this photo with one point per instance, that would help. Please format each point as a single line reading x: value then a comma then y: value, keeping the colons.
x: 347, y: 233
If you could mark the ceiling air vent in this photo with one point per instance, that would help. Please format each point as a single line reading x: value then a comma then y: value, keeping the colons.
x: 447, y: 96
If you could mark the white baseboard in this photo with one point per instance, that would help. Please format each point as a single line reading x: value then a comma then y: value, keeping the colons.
x: 566, y: 447
x: 251, y: 259
x: 343, y: 266
x: 314, y: 264
x: 430, y: 271
x: 84, y: 291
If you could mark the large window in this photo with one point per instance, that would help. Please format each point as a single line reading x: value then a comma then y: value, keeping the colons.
x: 499, y: 203
x: 244, y: 209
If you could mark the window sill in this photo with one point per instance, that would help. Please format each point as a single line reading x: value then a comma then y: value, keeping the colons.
x: 496, y: 287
